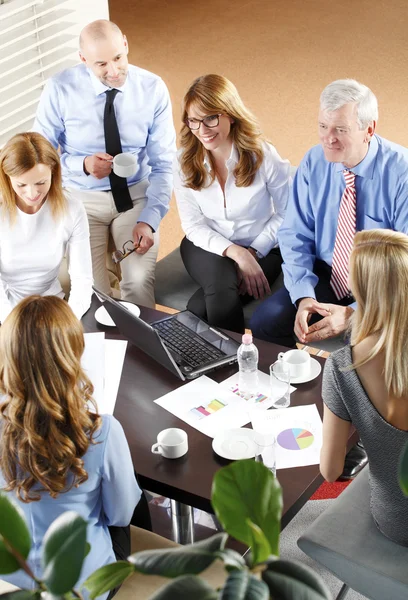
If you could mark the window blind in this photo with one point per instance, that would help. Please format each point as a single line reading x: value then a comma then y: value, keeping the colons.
x: 38, y: 38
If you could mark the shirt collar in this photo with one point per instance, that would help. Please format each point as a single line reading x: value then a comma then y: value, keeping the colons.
x: 101, y: 88
x: 232, y: 160
x: 366, y: 167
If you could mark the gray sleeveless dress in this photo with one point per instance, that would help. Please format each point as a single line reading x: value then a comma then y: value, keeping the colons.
x: 345, y: 396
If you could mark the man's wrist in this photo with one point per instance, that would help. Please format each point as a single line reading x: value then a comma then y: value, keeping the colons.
x: 298, y: 301
x: 148, y: 224
x: 84, y: 166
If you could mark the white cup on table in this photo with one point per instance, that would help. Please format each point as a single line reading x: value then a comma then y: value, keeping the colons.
x: 124, y: 165
x: 298, y: 361
x: 171, y: 443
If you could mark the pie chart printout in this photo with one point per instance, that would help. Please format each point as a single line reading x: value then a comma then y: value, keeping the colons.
x: 295, y: 439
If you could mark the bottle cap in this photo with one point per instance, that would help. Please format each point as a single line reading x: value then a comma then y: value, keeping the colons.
x: 247, y: 338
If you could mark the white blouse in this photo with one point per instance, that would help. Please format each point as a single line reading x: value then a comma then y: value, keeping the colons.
x: 31, y: 251
x: 251, y: 215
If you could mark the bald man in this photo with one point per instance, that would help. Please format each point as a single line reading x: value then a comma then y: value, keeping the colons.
x: 94, y: 111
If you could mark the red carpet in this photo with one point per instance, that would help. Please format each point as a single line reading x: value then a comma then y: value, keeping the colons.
x: 330, y: 490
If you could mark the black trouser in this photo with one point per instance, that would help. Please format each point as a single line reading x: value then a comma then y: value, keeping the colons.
x: 218, y: 301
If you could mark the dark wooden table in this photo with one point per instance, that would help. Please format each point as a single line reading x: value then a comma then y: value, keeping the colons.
x: 188, y: 479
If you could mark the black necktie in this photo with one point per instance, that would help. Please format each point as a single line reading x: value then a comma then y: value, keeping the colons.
x: 119, y: 185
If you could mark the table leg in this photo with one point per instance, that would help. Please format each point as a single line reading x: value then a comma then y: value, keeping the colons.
x: 183, y: 522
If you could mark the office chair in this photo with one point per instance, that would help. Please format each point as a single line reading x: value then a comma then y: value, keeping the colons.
x: 346, y: 540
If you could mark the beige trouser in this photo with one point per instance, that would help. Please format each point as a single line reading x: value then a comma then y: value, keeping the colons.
x: 138, y: 270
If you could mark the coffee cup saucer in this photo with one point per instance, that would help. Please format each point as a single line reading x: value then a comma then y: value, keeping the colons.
x: 235, y: 444
x: 315, y: 370
x: 103, y: 317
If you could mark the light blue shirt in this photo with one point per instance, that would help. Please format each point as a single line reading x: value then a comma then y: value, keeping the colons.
x: 70, y: 115
x: 108, y: 497
x: 309, y: 228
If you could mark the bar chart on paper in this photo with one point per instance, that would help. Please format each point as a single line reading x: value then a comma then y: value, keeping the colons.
x: 199, y: 412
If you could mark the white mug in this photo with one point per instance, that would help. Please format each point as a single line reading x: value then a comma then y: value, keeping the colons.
x: 171, y: 443
x: 298, y: 361
x: 124, y: 164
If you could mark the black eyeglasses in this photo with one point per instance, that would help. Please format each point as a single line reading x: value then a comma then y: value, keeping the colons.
x: 119, y: 255
x: 210, y: 121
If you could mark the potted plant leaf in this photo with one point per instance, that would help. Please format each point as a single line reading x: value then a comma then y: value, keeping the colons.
x: 247, y: 500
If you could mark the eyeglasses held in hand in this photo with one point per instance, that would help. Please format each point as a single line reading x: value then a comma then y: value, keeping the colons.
x: 119, y: 255
x: 210, y: 121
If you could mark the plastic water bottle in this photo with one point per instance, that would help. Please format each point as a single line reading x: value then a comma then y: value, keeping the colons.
x: 248, y: 366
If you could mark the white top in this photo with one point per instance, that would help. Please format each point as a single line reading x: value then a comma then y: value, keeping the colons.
x: 31, y: 251
x: 251, y: 215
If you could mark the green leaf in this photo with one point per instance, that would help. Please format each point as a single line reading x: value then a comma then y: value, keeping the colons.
x: 108, y: 577
x: 173, y: 562
x: 246, y: 490
x: 289, y: 579
x: 8, y: 564
x: 64, y: 550
x: 403, y: 471
x: 87, y: 548
x: 21, y: 595
x: 13, y: 534
x: 242, y: 585
x: 186, y: 588
x: 260, y: 546
x: 231, y: 559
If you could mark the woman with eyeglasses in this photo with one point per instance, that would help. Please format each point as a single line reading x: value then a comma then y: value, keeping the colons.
x: 40, y: 223
x: 366, y: 383
x: 56, y: 452
x: 231, y: 187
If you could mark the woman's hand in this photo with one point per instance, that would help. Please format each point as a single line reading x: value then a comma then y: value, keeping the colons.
x: 251, y: 278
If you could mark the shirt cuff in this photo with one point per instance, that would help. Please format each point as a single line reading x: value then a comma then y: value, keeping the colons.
x: 150, y: 217
x: 263, y: 244
x: 75, y: 164
x: 301, y: 290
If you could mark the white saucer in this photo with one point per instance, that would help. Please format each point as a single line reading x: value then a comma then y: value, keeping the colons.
x: 104, y: 318
x: 235, y: 444
x: 315, y: 369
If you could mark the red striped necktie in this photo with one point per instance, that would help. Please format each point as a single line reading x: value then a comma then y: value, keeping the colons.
x: 346, y: 230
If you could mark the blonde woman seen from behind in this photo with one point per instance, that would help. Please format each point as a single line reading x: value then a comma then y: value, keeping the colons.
x: 56, y: 452
x: 366, y: 383
x: 40, y: 223
x: 231, y: 188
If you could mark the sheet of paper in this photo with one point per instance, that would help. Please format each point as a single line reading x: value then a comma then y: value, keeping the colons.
x: 115, y: 351
x: 298, y: 433
x: 264, y: 396
x: 93, y: 362
x: 102, y: 361
x: 207, y: 406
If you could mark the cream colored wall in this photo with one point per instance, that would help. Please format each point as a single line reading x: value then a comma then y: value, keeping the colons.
x: 280, y: 54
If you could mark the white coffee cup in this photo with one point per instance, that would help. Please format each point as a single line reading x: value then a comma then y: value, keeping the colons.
x: 125, y: 164
x: 171, y: 443
x: 298, y: 361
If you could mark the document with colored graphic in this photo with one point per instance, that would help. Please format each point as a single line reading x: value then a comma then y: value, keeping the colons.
x: 207, y: 406
x: 298, y: 433
x: 265, y: 395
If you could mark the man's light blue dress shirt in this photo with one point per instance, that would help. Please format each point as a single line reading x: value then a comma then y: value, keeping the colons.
x: 70, y: 115
x: 309, y: 228
x: 108, y: 497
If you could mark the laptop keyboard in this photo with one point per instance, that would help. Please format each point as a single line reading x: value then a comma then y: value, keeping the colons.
x: 184, y: 342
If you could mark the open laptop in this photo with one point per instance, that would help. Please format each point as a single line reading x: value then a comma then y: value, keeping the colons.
x: 182, y: 343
